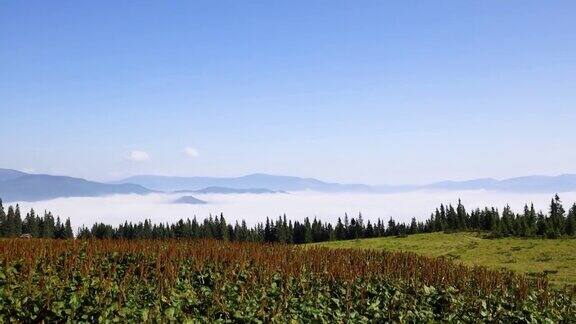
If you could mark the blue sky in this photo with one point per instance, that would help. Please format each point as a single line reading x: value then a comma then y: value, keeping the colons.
x: 351, y: 91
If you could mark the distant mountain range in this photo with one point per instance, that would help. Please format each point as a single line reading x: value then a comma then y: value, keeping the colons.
x: 224, y: 190
x: 545, y: 184
x: 20, y: 186
x: 551, y: 184
x: 266, y: 181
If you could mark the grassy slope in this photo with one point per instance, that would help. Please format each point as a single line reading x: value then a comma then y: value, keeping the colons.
x: 558, y: 257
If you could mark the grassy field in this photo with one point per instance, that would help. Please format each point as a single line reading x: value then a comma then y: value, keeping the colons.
x: 557, y: 258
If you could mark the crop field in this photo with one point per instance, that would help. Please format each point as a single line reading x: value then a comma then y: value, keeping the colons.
x: 531, y: 256
x: 205, y: 280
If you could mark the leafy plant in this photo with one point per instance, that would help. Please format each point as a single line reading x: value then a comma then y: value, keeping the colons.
x: 206, y: 280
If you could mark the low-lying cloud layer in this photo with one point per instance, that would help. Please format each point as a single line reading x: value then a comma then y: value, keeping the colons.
x: 256, y: 207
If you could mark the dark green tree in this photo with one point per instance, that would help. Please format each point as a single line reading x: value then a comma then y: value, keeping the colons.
x: 570, y: 226
x: 557, y: 214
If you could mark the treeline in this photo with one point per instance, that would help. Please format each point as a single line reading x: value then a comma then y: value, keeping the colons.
x: 447, y: 218
x: 557, y: 223
x: 13, y: 225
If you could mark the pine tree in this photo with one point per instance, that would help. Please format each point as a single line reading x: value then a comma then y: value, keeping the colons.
x: 380, y: 231
x: 570, y: 226
x: 475, y: 219
x: 290, y: 231
x: 68, y: 233
x: 84, y: 233
x: 339, y: 230
x: 223, y: 228
x: 3, y: 224
x: 541, y: 224
x: 359, y: 229
x: 245, y: 232
x: 443, y: 217
x: 267, y: 231
x: 17, y: 221
x: 556, y: 226
x: 523, y: 229
x: 47, y: 225
x: 462, y: 216
x: 530, y: 219
x: 307, y: 231
x: 391, y: 230
x: 10, y: 224
x: 30, y: 224
x: 369, y: 230
x: 413, y: 226
x: 58, y: 229
x: 506, y: 221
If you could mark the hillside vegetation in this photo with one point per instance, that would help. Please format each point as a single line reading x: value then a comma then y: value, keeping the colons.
x: 151, y: 281
x: 556, y: 258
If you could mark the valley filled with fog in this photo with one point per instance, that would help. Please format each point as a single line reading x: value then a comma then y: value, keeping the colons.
x: 255, y: 208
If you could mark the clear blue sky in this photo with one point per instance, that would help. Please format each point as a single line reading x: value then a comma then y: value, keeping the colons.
x: 351, y: 91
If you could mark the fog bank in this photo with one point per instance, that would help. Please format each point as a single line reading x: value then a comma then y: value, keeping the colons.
x: 256, y: 207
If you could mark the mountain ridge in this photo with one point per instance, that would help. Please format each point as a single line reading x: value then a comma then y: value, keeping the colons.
x: 20, y: 186
x: 225, y: 190
x: 256, y: 180
x: 532, y: 183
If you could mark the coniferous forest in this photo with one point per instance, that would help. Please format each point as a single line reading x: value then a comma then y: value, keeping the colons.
x: 12, y: 224
x: 557, y: 222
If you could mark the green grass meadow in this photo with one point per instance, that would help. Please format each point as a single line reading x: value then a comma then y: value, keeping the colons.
x: 556, y: 258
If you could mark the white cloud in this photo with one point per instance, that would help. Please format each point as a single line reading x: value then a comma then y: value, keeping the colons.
x: 191, y: 152
x: 138, y: 156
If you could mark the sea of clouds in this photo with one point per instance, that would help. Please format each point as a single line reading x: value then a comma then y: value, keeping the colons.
x: 255, y: 208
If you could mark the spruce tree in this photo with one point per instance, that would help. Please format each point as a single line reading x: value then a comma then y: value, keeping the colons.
x: 10, y: 224
x: 557, y: 214
x: 68, y: 233
x: 391, y: 229
x: 369, y: 230
x: 570, y: 226
x: 47, y: 228
x: 506, y: 221
x: 413, y: 226
x: 541, y: 224
x: 30, y: 224
x: 2, y: 220
x: 462, y: 216
x: 307, y: 231
x: 17, y: 221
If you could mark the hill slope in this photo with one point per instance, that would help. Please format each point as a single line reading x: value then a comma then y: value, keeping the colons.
x: 7, y: 174
x: 530, y: 256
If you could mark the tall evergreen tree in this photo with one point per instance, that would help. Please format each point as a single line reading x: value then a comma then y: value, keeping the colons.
x: 307, y: 231
x: 557, y: 214
x: 462, y: 216
x: 3, y: 229
x: 570, y: 226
